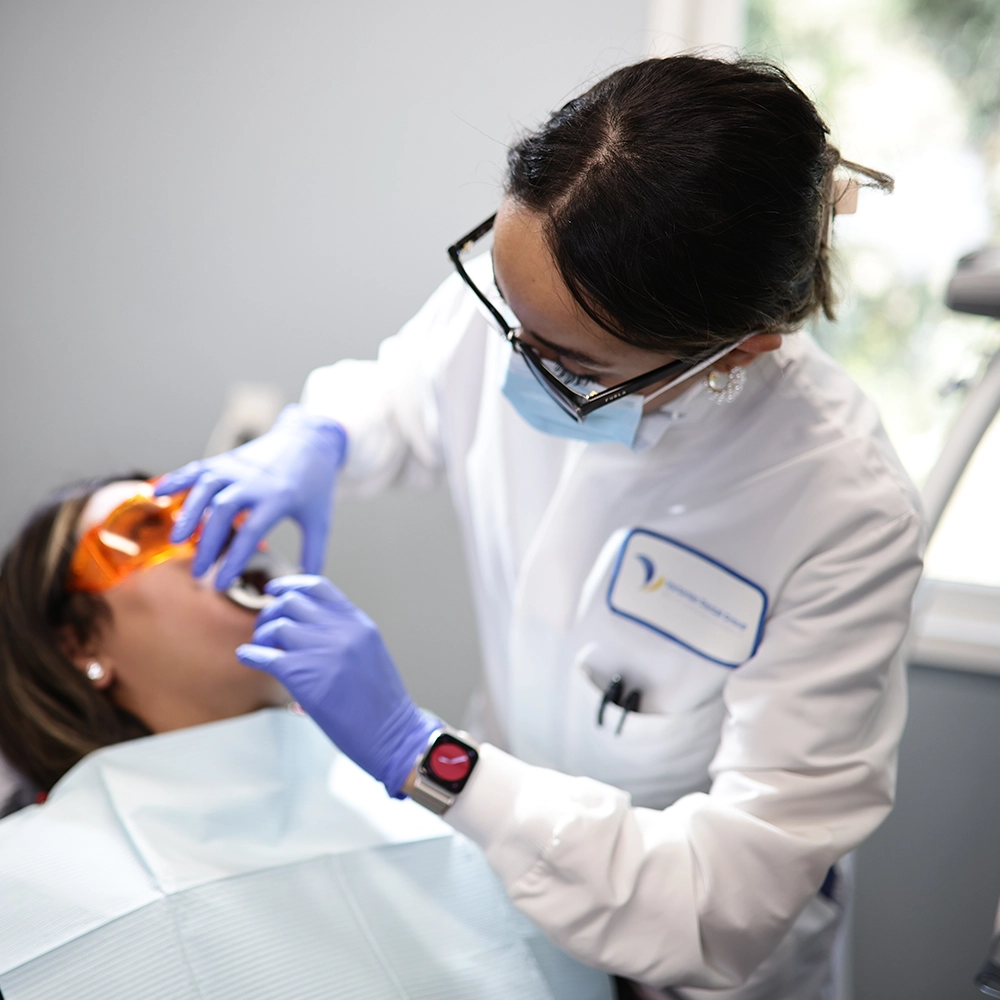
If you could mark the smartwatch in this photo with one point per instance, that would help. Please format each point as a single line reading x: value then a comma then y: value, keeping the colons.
x: 444, y: 769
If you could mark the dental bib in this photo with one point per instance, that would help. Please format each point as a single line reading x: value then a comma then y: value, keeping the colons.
x: 250, y: 858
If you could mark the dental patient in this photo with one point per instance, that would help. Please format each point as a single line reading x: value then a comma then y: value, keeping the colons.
x: 112, y: 639
x: 198, y: 839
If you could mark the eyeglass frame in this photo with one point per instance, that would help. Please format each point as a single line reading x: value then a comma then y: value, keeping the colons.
x: 571, y: 402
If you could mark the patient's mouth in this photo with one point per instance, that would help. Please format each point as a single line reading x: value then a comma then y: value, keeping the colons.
x: 247, y: 589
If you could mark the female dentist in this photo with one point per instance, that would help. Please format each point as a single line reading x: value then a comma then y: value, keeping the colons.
x: 691, y: 546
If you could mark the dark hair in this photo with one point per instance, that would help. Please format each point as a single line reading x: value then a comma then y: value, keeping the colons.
x: 50, y: 714
x: 687, y: 201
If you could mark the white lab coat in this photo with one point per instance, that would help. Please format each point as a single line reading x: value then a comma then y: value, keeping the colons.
x: 681, y: 852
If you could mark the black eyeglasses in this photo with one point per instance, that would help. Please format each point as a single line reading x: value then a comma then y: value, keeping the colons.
x: 572, y: 402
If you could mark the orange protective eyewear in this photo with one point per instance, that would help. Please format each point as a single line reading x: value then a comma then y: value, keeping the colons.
x: 135, y: 535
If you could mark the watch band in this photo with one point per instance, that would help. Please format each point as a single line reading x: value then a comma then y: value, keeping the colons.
x: 430, y: 796
x: 443, y: 769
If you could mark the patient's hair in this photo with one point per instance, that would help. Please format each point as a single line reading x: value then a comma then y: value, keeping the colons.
x: 51, y: 716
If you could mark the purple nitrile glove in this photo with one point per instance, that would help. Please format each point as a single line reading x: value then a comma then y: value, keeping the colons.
x: 330, y: 657
x: 288, y: 472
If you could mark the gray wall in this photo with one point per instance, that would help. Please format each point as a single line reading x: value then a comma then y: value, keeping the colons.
x: 928, y: 880
x: 200, y: 192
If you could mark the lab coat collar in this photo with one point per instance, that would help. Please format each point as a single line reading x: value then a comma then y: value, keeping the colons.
x: 698, y: 407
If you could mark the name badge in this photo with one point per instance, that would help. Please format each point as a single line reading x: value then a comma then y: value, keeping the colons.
x: 688, y: 597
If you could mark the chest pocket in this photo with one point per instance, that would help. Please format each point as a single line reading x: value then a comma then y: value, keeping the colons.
x: 672, y: 623
x: 655, y: 756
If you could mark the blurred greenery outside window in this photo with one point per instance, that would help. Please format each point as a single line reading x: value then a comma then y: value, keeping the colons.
x: 911, y: 87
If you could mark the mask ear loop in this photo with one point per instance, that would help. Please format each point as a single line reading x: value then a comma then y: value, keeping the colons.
x: 695, y: 369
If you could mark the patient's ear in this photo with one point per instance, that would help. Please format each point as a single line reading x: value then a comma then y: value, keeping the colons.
x: 88, y: 657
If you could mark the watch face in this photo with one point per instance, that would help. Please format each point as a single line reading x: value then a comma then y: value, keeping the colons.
x: 449, y: 762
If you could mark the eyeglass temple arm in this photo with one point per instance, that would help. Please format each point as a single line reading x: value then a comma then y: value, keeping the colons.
x: 680, y: 369
x: 455, y: 250
x: 455, y: 254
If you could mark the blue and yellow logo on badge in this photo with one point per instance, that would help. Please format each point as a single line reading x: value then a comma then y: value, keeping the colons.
x: 649, y: 569
x: 687, y: 596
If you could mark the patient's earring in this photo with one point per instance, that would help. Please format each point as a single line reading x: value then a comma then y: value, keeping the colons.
x: 726, y: 386
x: 95, y: 671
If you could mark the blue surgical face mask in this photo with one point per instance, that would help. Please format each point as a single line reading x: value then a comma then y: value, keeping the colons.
x: 618, y: 421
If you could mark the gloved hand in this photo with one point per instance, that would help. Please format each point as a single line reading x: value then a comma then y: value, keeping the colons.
x: 288, y: 472
x: 330, y: 657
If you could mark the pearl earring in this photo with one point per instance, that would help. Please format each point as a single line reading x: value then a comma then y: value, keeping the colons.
x: 95, y: 671
x: 726, y: 386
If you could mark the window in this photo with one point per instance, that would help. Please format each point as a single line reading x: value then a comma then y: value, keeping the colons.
x: 966, y: 545
x: 911, y: 87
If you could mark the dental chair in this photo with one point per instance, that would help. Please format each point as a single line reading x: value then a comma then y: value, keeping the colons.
x: 974, y: 288
x: 15, y: 791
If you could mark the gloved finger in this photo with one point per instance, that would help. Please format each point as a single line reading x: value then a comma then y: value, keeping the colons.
x: 198, y: 499
x: 283, y: 633
x: 218, y: 527
x: 317, y: 587
x: 243, y: 546
x: 298, y: 607
x: 314, y: 535
x: 259, y: 657
x: 180, y: 479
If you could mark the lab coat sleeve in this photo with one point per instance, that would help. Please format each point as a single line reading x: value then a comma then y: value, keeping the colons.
x: 698, y: 894
x: 392, y: 407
